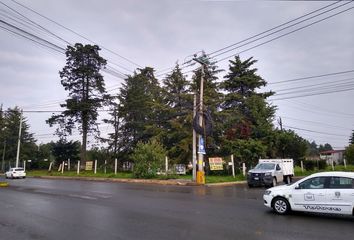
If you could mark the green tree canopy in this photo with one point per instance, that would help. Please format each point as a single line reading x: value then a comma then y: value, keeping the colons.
x: 82, y: 78
x: 349, y: 154
x: 10, y: 123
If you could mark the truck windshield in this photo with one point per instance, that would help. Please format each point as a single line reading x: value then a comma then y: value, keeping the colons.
x: 265, y: 166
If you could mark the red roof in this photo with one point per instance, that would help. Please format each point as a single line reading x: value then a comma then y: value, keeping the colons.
x: 331, y: 151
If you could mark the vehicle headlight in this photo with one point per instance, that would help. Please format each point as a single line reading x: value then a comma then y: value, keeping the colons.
x: 268, y: 174
x: 267, y: 192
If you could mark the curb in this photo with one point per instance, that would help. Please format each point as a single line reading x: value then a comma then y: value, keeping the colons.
x: 223, y: 184
x: 4, y: 184
x: 143, y: 181
x: 123, y: 180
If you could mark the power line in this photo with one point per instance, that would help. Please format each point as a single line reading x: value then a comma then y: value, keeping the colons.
x: 273, y: 28
x: 313, y: 94
x: 74, y: 32
x: 310, y: 77
x: 285, y: 34
x: 307, y: 130
x: 280, y: 30
x: 317, y: 123
x: 337, y: 83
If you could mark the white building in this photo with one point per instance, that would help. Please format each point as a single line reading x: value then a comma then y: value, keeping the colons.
x: 337, y: 156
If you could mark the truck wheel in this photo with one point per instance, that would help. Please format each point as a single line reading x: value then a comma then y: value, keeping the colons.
x: 250, y: 185
x: 287, y: 180
x: 274, y: 183
x: 281, y: 205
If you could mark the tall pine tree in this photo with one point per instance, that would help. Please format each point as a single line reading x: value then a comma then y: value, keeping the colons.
x: 82, y: 78
x: 141, y: 109
x: 248, y: 116
x: 177, y: 130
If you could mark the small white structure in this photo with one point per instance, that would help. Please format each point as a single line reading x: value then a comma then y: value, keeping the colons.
x: 335, y: 156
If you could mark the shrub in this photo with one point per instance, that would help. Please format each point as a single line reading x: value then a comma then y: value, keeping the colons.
x: 322, y: 165
x: 309, y: 165
x: 148, y: 158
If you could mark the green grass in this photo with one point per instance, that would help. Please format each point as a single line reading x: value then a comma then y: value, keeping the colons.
x: 38, y: 173
x: 208, y: 179
x: 224, y: 178
x: 129, y: 175
x: 298, y: 172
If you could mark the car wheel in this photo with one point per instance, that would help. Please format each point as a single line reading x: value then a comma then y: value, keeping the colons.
x: 281, y: 205
x: 250, y: 185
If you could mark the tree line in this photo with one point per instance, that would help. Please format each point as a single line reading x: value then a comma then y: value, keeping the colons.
x: 146, y: 110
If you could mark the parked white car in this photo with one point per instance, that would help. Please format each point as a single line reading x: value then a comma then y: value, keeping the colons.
x: 15, y: 173
x: 326, y: 192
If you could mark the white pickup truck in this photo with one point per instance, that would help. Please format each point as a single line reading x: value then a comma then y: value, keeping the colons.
x: 269, y: 172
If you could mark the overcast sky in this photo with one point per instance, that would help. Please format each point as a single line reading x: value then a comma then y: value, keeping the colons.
x: 160, y: 33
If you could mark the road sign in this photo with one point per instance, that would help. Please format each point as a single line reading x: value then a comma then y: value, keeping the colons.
x: 88, y: 166
x: 215, y: 164
x: 180, y: 169
x: 201, y: 148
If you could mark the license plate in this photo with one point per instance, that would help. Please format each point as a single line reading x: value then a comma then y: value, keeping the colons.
x: 256, y: 178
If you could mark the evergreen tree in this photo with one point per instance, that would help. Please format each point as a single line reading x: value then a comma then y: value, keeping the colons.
x: 247, y: 115
x: 82, y: 78
x: 351, y: 139
x: 177, y: 130
x: 325, y: 147
x: 212, y: 98
x: 113, y: 140
x: 141, y: 109
x: 11, y: 123
x: 62, y: 150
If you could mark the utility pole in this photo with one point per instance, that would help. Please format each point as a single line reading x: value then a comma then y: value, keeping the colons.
x: 200, y: 173
x: 3, y: 157
x: 194, y: 140
x: 19, y: 141
x: 280, y: 122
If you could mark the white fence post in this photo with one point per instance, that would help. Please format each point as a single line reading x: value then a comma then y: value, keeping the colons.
x: 50, y: 166
x: 62, y: 167
x: 78, y: 168
x: 95, y: 167
x: 244, y: 169
x: 24, y: 165
x: 302, y: 166
x: 166, y: 164
x: 115, y: 166
x: 345, y: 163
x: 68, y: 164
x: 233, y: 165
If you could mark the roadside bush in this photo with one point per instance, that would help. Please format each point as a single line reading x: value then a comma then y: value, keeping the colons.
x: 322, y: 165
x: 148, y: 158
x: 309, y: 165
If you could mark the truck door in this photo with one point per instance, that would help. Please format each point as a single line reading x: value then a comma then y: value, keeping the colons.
x: 341, y: 195
x: 279, y: 173
x: 310, y: 195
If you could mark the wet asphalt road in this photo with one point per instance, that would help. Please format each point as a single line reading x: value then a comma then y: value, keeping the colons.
x: 65, y: 209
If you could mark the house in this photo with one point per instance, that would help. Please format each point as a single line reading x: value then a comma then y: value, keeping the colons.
x: 337, y: 156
